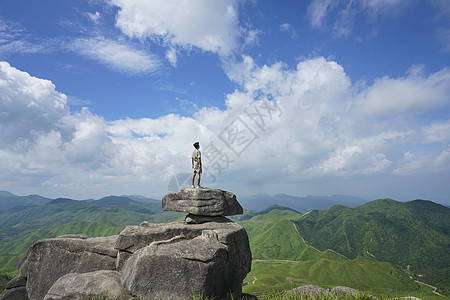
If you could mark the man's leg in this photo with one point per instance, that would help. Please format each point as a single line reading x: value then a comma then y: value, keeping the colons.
x: 193, y: 177
x: 198, y: 180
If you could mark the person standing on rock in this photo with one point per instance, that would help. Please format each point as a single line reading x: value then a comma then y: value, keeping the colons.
x: 196, y: 164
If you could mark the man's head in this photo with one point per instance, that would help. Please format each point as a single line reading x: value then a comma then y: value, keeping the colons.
x: 197, y: 145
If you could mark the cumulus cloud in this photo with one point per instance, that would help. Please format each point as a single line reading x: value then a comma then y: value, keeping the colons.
x: 207, y: 25
x: 410, y: 94
x: 29, y: 106
x: 282, y: 125
x: 116, y: 55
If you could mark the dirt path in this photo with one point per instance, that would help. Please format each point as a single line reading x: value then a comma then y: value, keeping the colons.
x: 429, y: 285
x: 298, y: 232
x: 275, y: 260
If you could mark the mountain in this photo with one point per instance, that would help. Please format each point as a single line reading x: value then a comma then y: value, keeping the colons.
x: 413, y: 235
x: 142, y: 199
x: 7, y: 194
x: 9, y: 200
x: 128, y: 203
x: 283, y: 260
x: 302, y: 204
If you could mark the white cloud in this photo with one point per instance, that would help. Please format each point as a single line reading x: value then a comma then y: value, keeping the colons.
x: 116, y: 55
x: 171, y: 56
x: 207, y: 25
x: 306, y: 126
x: 286, y: 27
x: 338, y: 16
x: 28, y: 106
x: 317, y: 11
x: 15, y: 39
x: 411, y: 94
x: 94, y: 17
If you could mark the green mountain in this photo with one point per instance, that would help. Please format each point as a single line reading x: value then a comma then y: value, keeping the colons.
x: 282, y: 259
x: 9, y: 200
x: 413, y: 235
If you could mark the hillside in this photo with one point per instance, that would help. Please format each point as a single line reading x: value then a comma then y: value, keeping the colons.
x: 358, y: 247
x: 283, y: 260
x: 412, y: 235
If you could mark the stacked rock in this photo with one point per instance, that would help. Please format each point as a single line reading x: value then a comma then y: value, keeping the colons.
x: 206, y: 255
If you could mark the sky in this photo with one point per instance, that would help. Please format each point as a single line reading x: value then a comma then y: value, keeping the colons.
x: 317, y: 97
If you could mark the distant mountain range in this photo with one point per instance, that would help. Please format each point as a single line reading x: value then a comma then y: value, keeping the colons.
x: 9, y: 201
x: 301, y: 204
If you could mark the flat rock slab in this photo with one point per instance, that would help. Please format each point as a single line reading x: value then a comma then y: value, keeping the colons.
x: 202, y: 202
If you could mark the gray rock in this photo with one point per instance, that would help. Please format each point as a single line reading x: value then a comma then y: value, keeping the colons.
x: 74, y: 236
x: 202, y: 202
x: 232, y: 235
x: 312, y: 290
x: 309, y: 290
x: 49, y: 259
x: 343, y: 290
x: 18, y: 293
x: 15, y: 289
x: 18, y: 281
x: 179, y: 268
x: 90, y: 285
x: 194, y: 219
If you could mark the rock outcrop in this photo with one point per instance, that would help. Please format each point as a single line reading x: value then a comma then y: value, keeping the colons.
x: 207, y: 255
x: 15, y: 289
x: 175, y: 260
x: 202, y: 202
x: 98, y: 284
x: 49, y: 259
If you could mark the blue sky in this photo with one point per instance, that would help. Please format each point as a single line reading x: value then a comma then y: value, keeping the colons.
x: 312, y: 97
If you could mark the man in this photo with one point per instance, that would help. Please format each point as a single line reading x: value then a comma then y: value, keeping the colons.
x: 196, y: 164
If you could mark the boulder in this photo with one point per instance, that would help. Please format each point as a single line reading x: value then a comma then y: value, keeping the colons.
x: 49, y: 259
x: 231, y: 234
x: 92, y: 285
x: 15, y: 289
x: 309, y: 290
x: 344, y: 290
x: 202, y: 202
x: 180, y: 268
x: 315, y: 291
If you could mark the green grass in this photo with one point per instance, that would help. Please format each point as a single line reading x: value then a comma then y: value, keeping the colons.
x: 363, y: 274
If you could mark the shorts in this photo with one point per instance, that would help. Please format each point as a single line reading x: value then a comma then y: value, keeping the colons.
x: 197, y: 170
